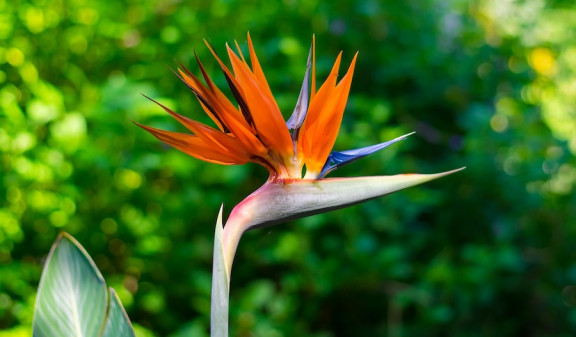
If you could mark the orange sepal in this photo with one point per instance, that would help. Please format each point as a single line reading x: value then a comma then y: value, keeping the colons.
x: 322, y: 123
x: 209, y: 135
x: 198, y: 147
x: 264, y: 110
x: 257, y: 69
x: 215, y: 103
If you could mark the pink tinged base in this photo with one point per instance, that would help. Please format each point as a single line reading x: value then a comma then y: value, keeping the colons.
x: 281, y: 201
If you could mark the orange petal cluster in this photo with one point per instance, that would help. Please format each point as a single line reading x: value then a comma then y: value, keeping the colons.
x: 253, y: 129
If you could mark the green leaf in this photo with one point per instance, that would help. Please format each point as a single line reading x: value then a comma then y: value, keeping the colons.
x: 72, y: 298
x: 220, y: 286
x: 117, y: 323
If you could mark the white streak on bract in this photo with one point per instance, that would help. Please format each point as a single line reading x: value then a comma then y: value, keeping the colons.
x: 278, y: 202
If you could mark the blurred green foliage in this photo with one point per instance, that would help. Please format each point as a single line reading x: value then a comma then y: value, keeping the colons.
x: 489, y: 84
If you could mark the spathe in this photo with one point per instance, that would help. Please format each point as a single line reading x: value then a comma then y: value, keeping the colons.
x: 278, y: 202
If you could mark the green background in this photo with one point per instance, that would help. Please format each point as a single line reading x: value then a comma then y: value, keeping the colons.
x: 487, y: 84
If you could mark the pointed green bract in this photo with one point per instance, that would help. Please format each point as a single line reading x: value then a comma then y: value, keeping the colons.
x: 117, y: 322
x: 280, y: 201
x: 72, y: 297
x: 220, y: 286
x: 276, y: 203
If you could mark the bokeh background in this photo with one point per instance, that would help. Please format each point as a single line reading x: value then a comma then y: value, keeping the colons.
x: 487, y: 84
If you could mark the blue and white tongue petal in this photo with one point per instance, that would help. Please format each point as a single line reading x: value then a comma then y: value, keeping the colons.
x: 338, y: 159
x: 301, y: 109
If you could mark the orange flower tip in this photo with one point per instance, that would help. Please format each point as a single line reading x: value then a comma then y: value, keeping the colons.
x: 182, y: 70
x: 145, y: 127
x: 210, y: 47
x: 148, y: 97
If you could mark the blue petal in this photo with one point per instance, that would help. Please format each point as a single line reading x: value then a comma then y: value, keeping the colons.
x: 339, y: 159
x: 301, y: 109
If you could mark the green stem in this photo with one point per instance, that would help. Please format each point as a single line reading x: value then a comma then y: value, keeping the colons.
x: 220, y: 286
x: 235, y: 227
x: 225, y: 243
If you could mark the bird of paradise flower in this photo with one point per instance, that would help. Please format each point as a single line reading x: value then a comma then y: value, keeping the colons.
x: 254, y: 130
